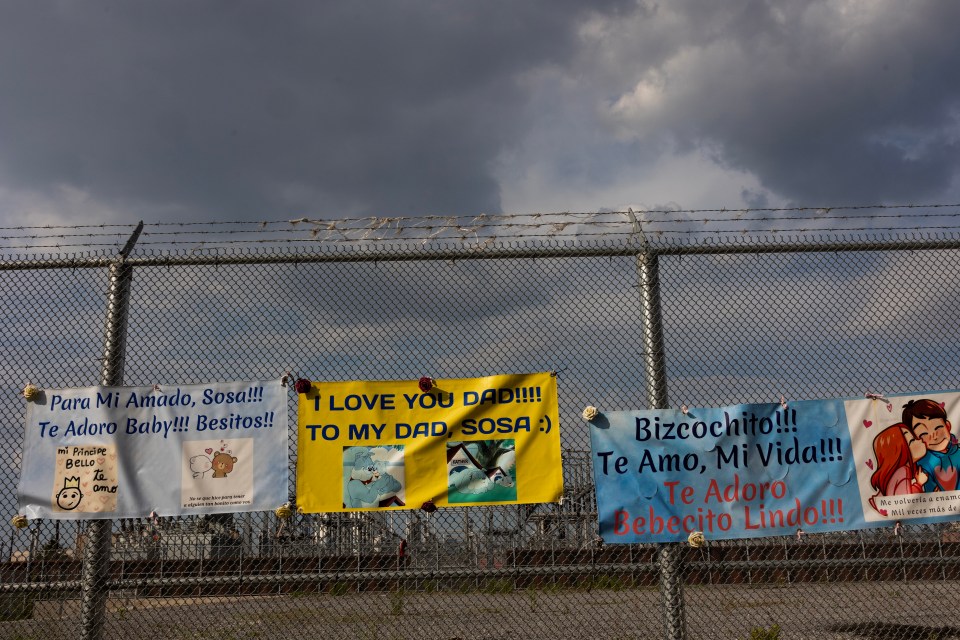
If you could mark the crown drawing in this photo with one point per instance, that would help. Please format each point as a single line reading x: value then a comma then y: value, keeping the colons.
x: 71, y: 483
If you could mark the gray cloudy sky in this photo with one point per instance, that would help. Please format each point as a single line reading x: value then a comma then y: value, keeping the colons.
x: 177, y: 110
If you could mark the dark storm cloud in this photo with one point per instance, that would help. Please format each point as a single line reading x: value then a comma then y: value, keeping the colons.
x: 824, y: 101
x: 221, y: 110
x: 873, y: 117
x: 180, y: 110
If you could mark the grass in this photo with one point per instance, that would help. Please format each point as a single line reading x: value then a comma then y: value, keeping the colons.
x: 16, y: 606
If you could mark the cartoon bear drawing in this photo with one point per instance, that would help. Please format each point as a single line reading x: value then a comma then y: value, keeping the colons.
x: 199, y: 465
x: 222, y: 464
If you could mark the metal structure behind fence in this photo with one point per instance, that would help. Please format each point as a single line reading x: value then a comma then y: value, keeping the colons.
x: 628, y: 322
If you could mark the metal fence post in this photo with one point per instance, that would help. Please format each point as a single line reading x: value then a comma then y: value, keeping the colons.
x: 669, y: 561
x: 96, y: 557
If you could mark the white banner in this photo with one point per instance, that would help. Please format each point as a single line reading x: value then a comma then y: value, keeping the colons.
x: 124, y: 452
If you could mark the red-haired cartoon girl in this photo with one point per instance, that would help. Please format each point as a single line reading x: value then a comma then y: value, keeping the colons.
x: 897, y: 472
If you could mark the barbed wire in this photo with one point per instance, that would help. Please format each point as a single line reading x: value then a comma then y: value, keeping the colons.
x: 338, y: 225
x: 557, y: 227
x: 502, y: 216
x: 580, y: 225
x: 498, y: 217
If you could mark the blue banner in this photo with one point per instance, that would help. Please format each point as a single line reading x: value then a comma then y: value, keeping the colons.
x: 757, y: 470
x: 124, y: 452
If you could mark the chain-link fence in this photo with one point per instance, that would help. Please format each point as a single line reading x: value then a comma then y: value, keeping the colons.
x: 743, y: 322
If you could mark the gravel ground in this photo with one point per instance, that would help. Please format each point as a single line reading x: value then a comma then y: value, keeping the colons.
x: 887, y: 610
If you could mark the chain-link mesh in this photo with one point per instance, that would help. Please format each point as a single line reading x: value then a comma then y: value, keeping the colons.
x: 738, y: 326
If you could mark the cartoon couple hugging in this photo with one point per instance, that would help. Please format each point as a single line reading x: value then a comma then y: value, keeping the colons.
x: 917, y: 455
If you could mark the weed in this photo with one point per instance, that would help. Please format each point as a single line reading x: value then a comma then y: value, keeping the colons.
x: 396, y: 602
x: 613, y: 583
x: 762, y: 633
x: 497, y: 586
x: 552, y: 587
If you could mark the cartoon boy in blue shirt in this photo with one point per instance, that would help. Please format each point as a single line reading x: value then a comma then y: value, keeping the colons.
x: 928, y: 423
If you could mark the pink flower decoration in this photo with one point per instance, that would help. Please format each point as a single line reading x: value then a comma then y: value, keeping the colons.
x: 302, y: 385
x: 426, y: 383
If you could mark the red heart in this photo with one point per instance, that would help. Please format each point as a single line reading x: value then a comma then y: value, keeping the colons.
x: 209, y: 451
x: 867, y: 423
x: 948, y: 479
x: 873, y: 504
x: 870, y: 464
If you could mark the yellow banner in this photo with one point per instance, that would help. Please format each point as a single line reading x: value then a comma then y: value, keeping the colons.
x: 373, y: 445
